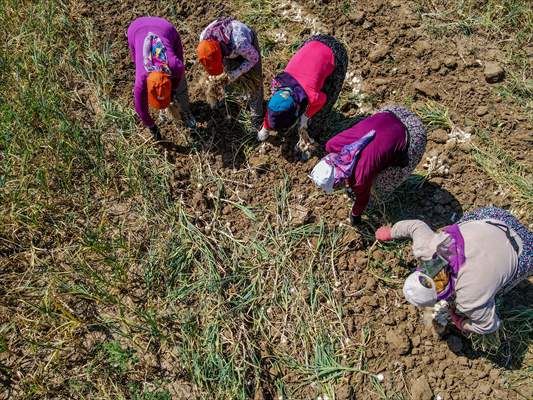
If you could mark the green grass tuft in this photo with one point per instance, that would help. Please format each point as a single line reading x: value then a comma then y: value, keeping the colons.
x: 506, y: 171
x: 435, y: 116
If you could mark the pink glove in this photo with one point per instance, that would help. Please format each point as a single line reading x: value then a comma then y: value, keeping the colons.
x: 457, y: 320
x: 384, y: 233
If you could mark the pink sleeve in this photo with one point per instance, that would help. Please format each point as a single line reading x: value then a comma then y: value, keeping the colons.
x: 140, y: 98
x: 334, y: 145
x: 316, y: 104
x: 176, y: 43
x: 178, y: 72
x: 266, y: 125
x: 362, y: 196
x: 176, y: 60
x: 361, y: 183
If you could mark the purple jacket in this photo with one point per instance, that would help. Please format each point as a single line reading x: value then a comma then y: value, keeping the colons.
x: 387, y: 149
x: 137, y: 32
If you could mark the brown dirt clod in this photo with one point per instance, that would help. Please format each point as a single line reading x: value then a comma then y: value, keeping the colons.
x: 299, y: 215
x: 378, y: 53
x: 420, y: 389
x: 399, y: 341
x: 493, y: 72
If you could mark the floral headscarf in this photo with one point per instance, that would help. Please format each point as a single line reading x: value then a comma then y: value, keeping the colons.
x: 155, y: 54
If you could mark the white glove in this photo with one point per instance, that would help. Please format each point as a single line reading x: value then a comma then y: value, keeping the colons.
x: 441, y: 312
x: 305, y: 140
x: 263, y: 134
x: 303, y: 122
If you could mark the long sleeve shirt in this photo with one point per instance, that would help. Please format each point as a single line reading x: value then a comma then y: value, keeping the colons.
x: 311, y: 65
x: 387, y: 149
x: 137, y: 32
x: 491, y: 262
x: 236, y: 40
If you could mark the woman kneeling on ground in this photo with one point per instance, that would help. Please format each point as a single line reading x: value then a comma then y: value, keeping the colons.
x: 229, y: 51
x: 466, y: 264
x: 305, y: 92
x: 379, y: 153
x: 160, y: 81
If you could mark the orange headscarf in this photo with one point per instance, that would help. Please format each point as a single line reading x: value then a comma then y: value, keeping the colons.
x: 159, y: 88
x: 210, y: 55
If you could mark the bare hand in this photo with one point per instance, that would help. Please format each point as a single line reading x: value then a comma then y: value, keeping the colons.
x: 222, y: 79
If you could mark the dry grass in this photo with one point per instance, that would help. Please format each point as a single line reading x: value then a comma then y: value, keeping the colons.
x: 107, y: 281
x: 110, y: 288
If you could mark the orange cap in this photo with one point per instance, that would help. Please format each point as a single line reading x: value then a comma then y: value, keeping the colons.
x: 210, y: 55
x: 159, y: 88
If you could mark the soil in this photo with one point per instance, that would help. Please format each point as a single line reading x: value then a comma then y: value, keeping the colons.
x: 396, y: 61
x: 420, y: 389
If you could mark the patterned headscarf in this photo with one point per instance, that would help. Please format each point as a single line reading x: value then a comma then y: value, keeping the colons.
x: 218, y: 31
x: 155, y: 54
x: 344, y: 162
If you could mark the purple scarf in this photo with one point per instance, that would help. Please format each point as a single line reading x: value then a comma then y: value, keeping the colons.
x: 286, y: 118
x: 452, y: 251
x: 344, y: 162
x: 285, y: 80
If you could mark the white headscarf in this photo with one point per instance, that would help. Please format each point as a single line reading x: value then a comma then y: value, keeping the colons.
x: 323, y: 175
x: 419, y: 290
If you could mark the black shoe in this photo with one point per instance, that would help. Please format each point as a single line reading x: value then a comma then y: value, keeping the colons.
x: 156, y: 133
x: 190, y: 121
x: 355, y: 219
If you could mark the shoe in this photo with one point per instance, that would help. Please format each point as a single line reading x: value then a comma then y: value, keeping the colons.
x: 355, y: 219
x: 189, y: 121
x: 156, y: 133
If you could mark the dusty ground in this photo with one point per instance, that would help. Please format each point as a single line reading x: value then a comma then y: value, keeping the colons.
x: 409, y: 67
x: 226, y: 179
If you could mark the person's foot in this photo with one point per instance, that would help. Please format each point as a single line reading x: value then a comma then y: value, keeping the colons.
x: 355, y: 219
x: 156, y: 133
x: 189, y: 121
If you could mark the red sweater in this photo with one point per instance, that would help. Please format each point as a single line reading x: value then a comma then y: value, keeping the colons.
x: 311, y: 66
